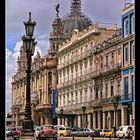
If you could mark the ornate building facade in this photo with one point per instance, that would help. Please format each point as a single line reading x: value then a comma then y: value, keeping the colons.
x: 43, y: 82
x: 128, y: 64
x: 86, y: 68
x: 80, y: 84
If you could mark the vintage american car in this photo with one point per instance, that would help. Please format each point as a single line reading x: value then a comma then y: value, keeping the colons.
x: 47, y: 131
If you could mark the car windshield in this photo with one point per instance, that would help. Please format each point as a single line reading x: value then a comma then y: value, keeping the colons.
x: 38, y: 128
x: 48, y: 127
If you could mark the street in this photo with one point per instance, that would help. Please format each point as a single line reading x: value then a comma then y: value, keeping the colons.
x: 80, y: 138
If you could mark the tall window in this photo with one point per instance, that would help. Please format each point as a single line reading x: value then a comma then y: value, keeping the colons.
x: 119, y: 88
x: 76, y: 99
x: 126, y: 27
x: 107, y: 60
x: 80, y: 96
x: 132, y: 24
x: 68, y: 99
x: 112, y: 58
x: 132, y: 49
x: 91, y: 96
x: 126, y: 87
x: 106, y: 89
x: 132, y: 83
x: 85, y: 96
x: 112, y: 90
x: 126, y: 54
x: 97, y: 89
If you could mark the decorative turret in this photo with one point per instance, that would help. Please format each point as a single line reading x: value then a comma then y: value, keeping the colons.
x: 56, y: 36
x: 21, y: 60
x: 75, y: 8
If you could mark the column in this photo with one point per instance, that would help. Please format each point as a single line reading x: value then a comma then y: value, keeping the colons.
x: 109, y: 91
x: 104, y: 120
x: 115, y: 87
x: 45, y: 87
x: 89, y: 94
x: 117, y: 119
x: 58, y: 121
x: 109, y: 119
x: 99, y: 120
x: 41, y: 119
x: 79, y: 121
x: 17, y: 116
x: 103, y: 91
x: 74, y: 98
x: 94, y: 120
x: 89, y: 121
x: 54, y: 80
x: 124, y: 116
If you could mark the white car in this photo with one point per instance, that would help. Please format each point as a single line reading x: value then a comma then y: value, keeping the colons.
x: 124, y: 131
x: 37, y: 129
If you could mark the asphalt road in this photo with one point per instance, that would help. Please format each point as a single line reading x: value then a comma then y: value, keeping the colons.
x: 79, y: 138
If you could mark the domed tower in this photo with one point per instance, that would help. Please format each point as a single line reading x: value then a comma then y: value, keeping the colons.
x: 75, y: 20
x: 56, y: 36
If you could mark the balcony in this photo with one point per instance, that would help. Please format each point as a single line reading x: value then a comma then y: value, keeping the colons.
x: 86, y: 76
x: 93, y: 103
x: 74, y: 59
x: 126, y: 98
x: 106, y: 70
x: 43, y: 106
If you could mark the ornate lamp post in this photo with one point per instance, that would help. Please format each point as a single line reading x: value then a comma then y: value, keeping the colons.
x: 116, y: 102
x: 29, y: 47
x: 84, y: 121
x: 61, y: 112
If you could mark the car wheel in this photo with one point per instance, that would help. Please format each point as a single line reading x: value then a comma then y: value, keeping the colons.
x: 61, y: 135
x: 89, y: 135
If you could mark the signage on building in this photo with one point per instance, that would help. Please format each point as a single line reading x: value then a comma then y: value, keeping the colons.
x: 53, y: 103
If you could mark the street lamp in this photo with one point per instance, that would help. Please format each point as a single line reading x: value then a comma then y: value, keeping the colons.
x: 116, y: 102
x: 29, y: 47
x: 84, y: 109
x: 61, y: 112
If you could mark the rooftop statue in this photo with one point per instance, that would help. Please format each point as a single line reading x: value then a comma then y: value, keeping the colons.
x: 57, y: 9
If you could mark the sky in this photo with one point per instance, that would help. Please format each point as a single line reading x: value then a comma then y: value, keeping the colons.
x: 43, y: 13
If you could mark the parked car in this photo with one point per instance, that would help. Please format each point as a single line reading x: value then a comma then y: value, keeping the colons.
x: 37, y: 129
x: 9, y: 131
x: 48, y: 131
x: 17, y: 131
x: 102, y: 132
x: 83, y: 132
x: 124, y: 131
x: 109, y: 133
x: 63, y: 130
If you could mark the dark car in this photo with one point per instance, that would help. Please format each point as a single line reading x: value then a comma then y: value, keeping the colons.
x: 9, y: 131
x: 97, y: 133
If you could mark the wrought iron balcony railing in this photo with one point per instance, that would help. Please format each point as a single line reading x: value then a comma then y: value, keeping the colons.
x: 75, y: 58
x: 96, y: 102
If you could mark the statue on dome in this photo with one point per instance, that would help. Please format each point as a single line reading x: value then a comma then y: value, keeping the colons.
x: 57, y: 9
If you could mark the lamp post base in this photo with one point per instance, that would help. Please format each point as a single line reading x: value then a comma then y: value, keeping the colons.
x: 28, y: 124
x: 28, y: 128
